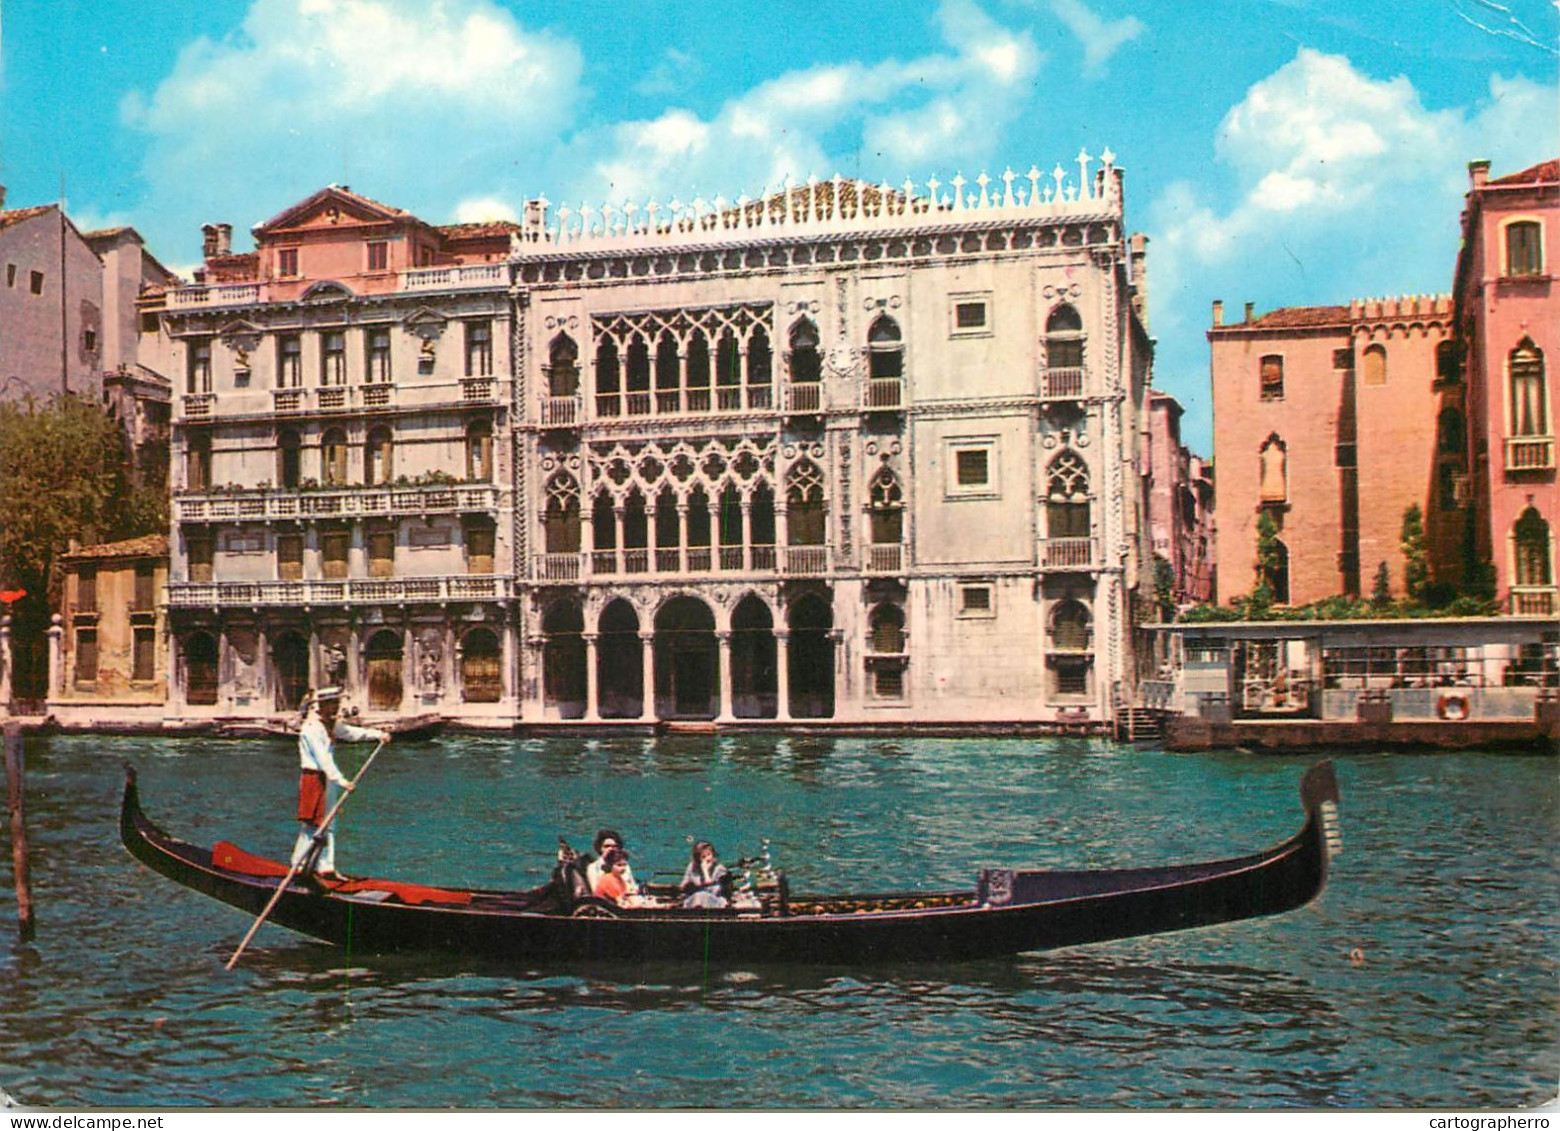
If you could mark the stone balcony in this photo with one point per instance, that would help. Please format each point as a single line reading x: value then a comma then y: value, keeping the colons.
x: 1062, y: 384
x: 344, y: 502
x: 367, y: 398
x: 1533, y: 600
x: 346, y: 591
x: 1069, y: 554
x: 1530, y: 453
x: 420, y: 280
x: 659, y: 562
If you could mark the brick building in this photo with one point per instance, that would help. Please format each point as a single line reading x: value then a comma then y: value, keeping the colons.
x: 1180, y: 505
x: 1334, y: 420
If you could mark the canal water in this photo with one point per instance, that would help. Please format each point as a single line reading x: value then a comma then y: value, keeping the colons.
x: 1426, y: 975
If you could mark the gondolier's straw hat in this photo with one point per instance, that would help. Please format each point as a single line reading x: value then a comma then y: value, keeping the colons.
x: 327, y: 693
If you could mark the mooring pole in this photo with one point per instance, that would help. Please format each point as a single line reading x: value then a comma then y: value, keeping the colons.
x: 13, y: 776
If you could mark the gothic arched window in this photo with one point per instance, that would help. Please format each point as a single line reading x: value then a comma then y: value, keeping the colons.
x: 1529, y: 410
x: 885, y: 349
x: 1274, y: 479
x: 1067, y: 497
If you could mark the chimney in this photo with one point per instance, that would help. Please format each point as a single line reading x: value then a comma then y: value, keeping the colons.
x: 208, y: 241
x: 1478, y: 173
x: 1250, y: 306
x: 1218, y: 312
x: 224, y: 239
x: 2, y: 196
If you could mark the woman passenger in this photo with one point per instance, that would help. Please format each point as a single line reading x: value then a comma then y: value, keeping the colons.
x: 706, y: 883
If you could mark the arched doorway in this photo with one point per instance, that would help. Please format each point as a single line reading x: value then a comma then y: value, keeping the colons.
x: 290, y: 662
x: 620, y: 666
x: 383, y: 656
x: 563, y: 660
x: 200, y: 670
x: 687, y: 673
x: 812, y: 659
x: 754, y: 671
x: 481, y: 667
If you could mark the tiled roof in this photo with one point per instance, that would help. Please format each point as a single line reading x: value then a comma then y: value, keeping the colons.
x: 17, y: 215
x: 107, y: 233
x: 478, y: 230
x: 146, y: 546
x: 1294, y: 318
x: 1543, y: 172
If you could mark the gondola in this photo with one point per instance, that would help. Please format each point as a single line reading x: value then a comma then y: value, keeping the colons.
x: 1006, y: 912
x: 419, y: 728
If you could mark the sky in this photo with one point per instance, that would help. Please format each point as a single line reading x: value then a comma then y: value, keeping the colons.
x: 1281, y: 152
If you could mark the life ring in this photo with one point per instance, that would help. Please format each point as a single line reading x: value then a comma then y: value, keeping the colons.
x: 1453, y: 708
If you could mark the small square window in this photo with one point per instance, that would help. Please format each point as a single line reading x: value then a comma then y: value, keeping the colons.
x: 89, y: 340
x: 378, y: 255
x: 1343, y: 358
x: 10, y: 274
x: 972, y: 467
x: 976, y: 601
x: 37, y: 282
x: 287, y: 262
x: 971, y: 315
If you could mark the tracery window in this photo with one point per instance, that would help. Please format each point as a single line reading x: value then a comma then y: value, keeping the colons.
x: 563, y: 367
x: 805, y: 363
x: 1067, y: 508
x: 886, y: 509
x: 805, y: 509
x: 561, y: 520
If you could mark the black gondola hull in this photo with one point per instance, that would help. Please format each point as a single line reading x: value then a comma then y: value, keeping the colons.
x: 1010, y: 913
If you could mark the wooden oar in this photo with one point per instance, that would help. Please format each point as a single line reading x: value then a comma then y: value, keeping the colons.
x: 314, y: 851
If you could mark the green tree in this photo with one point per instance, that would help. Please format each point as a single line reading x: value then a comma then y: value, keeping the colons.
x: 1416, y: 566
x: 1269, y: 563
x: 1381, y: 592
x: 64, y: 474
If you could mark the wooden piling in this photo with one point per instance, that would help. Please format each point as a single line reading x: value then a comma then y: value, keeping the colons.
x: 13, y: 776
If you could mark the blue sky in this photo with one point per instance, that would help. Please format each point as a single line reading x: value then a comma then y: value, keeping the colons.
x: 1277, y: 151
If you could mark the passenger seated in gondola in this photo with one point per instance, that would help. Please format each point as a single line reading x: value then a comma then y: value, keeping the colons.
x: 706, y: 883
x: 612, y: 886
x: 606, y: 841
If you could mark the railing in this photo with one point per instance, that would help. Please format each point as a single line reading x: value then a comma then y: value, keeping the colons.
x: 1532, y: 600
x: 728, y: 398
x: 682, y: 402
x: 883, y: 393
x: 668, y: 560
x: 1157, y: 694
x: 699, y: 559
x: 885, y: 558
x: 377, y: 396
x: 331, y: 397
x: 1530, y: 453
x: 668, y: 401
x: 288, y: 400
x: 198, y: 406
x: 805, y: 398
x: 732, y: 558
x: 636, y: 561
x: 560, y: 412
x: 763, y: 559
x: 477, y: 390
x: 807, y: 561
x: 1061, y: 384
x: 449, y: 278
x: 347, y: 502
x: 1067, y: 553
x: 603, y: 562
x: 558, y: 567
x: 218, y: 294
x: 397, y: 590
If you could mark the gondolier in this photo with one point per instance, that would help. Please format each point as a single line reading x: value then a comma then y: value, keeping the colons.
x: 320, y: 780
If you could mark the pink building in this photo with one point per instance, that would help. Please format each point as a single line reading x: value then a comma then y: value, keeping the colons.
x: 1508, y: 323
x: 1333, y: 421
x: 1180, y: 504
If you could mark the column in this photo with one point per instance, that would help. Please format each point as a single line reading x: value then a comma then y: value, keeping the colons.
x: 723, y: 639
x: 56, y: 658
x: 5, y: 665
x: 647, y: 678
x: 747, y: 532
x: 408, y: 670
x: 266, y: 689
x: 682, y: 536
x: 506, y: 672
x: 592, y: 714
x: 783, y: 675
x: 617, y: 542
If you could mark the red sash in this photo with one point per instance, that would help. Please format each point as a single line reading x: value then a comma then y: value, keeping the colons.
x: 311, y: 796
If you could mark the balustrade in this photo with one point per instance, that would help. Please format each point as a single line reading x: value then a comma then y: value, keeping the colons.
x: 1067, y: 553
x: 1532, y: 600
x: 885, y: 558
x: 807, y: 561
x: 883, y: 393
x: 1062, y: 384
x: 345, y: 502
x: 1530, y: 453
x: 802, y: 398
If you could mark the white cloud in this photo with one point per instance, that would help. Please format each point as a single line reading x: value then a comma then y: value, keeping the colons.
x: 484, y: 210
x: 309, y: 92
x: 893, y: 115
x: 1329, y: 185
x: 1101, y: 38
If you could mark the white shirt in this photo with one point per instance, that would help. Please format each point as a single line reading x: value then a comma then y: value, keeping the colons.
x: 316, y: 746
x: 593, y: 872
